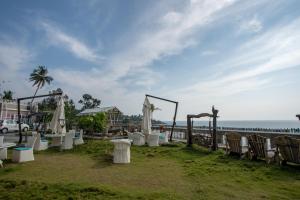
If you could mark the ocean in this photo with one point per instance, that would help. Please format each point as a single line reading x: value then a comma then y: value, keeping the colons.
x: 272, y: 124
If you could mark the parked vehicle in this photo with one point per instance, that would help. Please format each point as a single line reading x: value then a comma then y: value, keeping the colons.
x: 11, y: 125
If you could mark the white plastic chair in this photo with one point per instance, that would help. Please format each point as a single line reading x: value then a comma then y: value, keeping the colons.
x: 24, y: 154
x: 79, y: 140
x: 1, y: 163
x: 39, y: 143
x: 121, y: 151
x: 3, y: 151
x: 153, y: 140
x: 130, y: 135
x: 68, y: 140
x: 163, y: 138
x: 138, y: 139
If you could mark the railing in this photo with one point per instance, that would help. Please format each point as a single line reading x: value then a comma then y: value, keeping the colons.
x: 180, y: 132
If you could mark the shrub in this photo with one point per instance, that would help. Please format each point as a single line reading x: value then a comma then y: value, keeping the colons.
x: 93, y: 123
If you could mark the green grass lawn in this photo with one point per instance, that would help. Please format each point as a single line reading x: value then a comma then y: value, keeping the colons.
x: 166, y: 172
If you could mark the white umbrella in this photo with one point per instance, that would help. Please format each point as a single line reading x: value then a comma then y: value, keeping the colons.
x: 147, y: 113
x: 58, y: 123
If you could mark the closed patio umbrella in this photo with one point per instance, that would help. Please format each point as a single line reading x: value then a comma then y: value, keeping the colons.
x: 147, y: 113
x: 57, y: 124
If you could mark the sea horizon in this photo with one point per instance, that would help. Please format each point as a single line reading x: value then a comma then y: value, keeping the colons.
x: 272, y: 124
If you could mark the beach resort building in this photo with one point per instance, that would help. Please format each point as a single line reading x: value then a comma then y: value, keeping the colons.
x: 113, y: 114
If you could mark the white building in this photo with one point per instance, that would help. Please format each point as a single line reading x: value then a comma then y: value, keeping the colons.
x: 9, y: 110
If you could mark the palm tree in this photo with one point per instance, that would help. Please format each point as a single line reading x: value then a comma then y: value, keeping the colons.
x: 7, y: 95
x: 39, y: 76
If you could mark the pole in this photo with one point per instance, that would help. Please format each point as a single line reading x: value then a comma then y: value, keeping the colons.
x: 189, y: 131
x: 215, y: 114
x: 19, y: 122
x: 174, y: 122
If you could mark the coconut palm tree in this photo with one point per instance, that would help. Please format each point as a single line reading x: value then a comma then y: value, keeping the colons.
x: 39, y: 77
x: 7, y: 95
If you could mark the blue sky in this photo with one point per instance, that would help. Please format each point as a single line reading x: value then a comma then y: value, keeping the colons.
x: 241, y: 56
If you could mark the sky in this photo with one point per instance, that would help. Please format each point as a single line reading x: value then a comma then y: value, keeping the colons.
x: 242, y: 56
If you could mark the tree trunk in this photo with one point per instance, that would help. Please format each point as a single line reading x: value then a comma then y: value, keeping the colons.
x: 34, y: 94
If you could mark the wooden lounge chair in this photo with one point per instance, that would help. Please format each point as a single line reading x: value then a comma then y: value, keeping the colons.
x: 258, y: 148
x: 288, y: 148
x: 233, y: 144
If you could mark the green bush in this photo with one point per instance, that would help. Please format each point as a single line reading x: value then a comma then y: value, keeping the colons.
x: 93, y: 123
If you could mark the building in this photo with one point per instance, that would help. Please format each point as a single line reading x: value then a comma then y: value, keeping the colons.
x: 9, y: 110
x: 113, y: 114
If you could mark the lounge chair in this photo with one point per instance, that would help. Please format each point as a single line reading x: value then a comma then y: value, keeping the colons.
x: 40, y: 144
x: 233, y: 144
x: 288, y: 148
x: 24, y: 154
x: 258, y: 148
x: 78, y: 138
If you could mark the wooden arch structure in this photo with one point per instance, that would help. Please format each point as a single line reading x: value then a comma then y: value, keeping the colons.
x: 214, y: 115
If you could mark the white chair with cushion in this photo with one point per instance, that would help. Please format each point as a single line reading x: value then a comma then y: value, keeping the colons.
x: 153, y: 140
x: 3, y: 151
x: 79, y: 138
x: 121, y: 150
x: 24, y: 154
x: 138, y: 139
x: 163, y: 138
x: 68, y: 140
x: 40, y: 144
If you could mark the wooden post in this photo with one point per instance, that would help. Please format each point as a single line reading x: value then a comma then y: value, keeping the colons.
x: 215, y: 114
x: 174, y: 122
x: 19, y: 122
x: 189, y: 131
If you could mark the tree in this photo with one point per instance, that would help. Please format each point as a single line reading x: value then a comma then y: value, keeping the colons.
x: 7, y: 95
x: 70, y: 114
x: 39, y: 77
x: 88, y: 102
x: 93, y: 123
x: 50, y: 103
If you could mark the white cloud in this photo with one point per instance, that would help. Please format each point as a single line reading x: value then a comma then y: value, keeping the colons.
x: 174, y: 31
x: 174, y: 34
x: 253, y: 25
x: 13, y: 57
x: 73, y: 45
x: 247, y: 67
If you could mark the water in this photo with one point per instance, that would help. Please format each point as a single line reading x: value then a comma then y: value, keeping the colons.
x: 272, y: 124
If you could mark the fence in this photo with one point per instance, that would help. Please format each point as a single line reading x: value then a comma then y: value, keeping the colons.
x: 180, y: 132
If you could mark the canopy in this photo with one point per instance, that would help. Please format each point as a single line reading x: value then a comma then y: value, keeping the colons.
x: 147, y: 113
x: 58, y: 124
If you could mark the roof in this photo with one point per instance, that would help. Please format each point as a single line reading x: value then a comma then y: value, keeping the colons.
x: 98, y: 110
